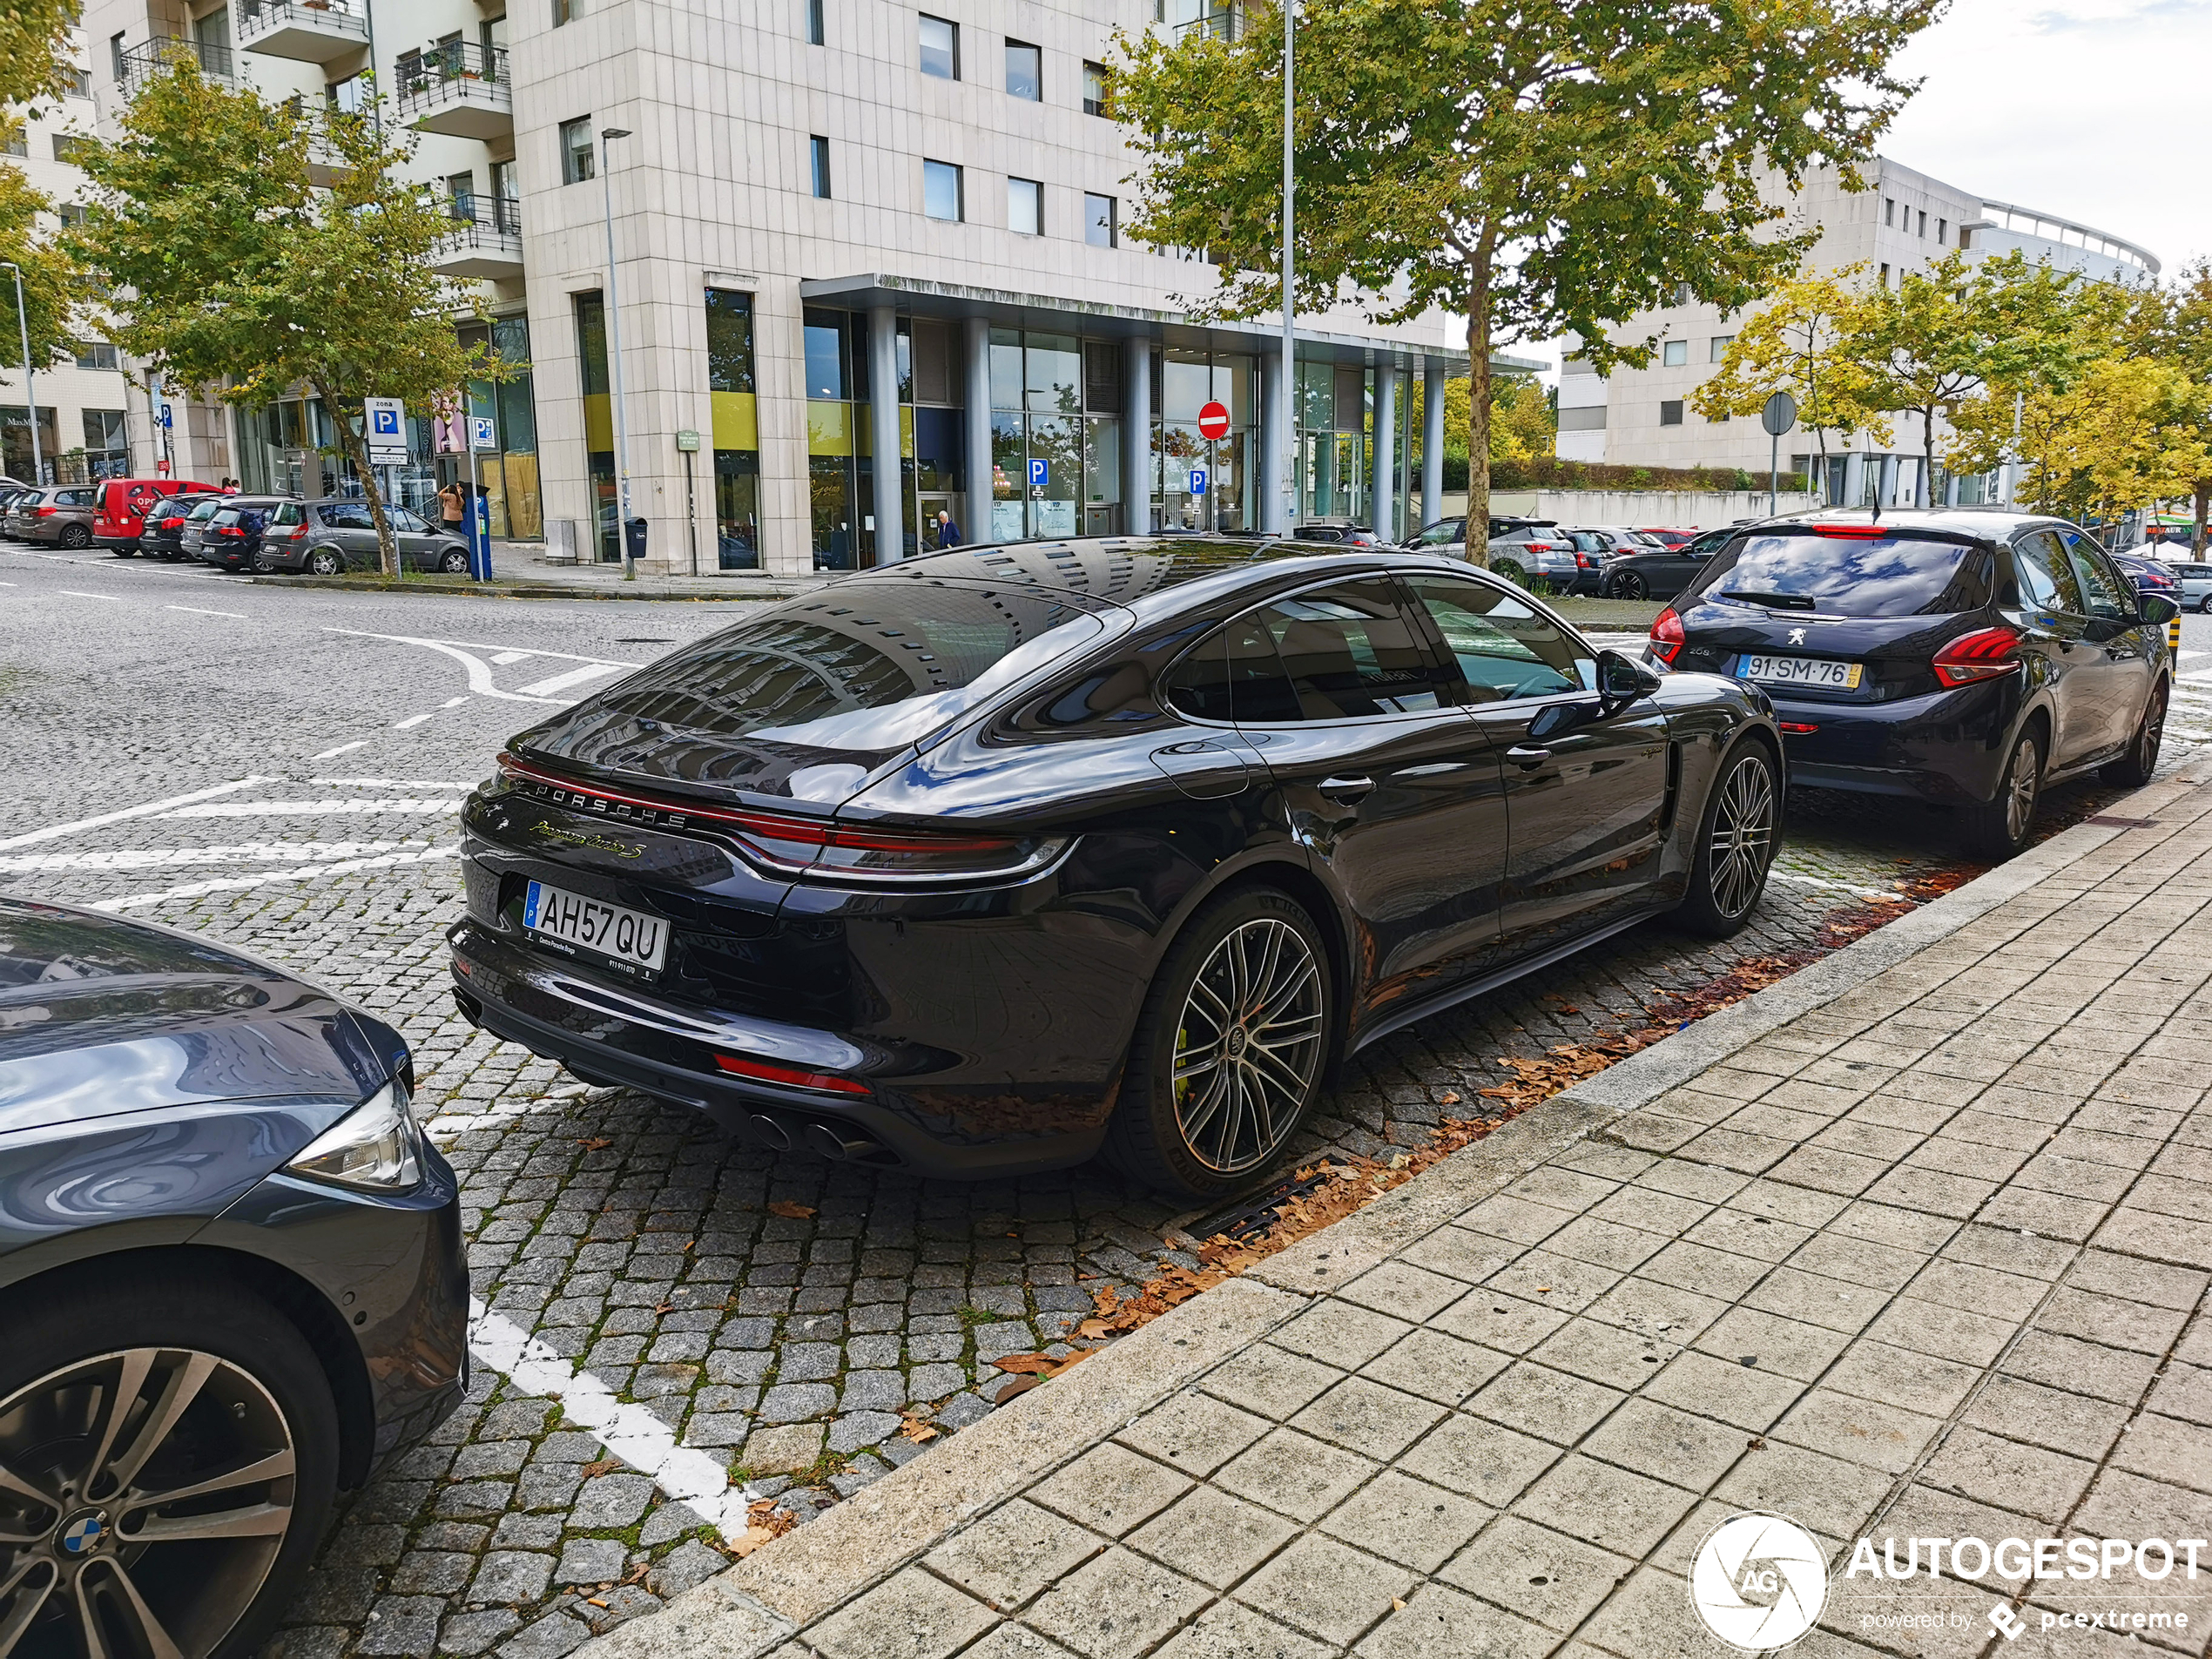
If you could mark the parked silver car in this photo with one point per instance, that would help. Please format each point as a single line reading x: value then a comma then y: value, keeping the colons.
x: 332, y: 536
x: 1535, y: 546
x: 2192, y: 585
x: 57, y: 518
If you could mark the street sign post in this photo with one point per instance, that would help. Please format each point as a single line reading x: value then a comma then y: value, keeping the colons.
x: 386, y: 418
x: 1777, y: 417
x: 1213, y: 422
x: 481, y: 434
x: 1198, y: 481
x: 1036, y: 473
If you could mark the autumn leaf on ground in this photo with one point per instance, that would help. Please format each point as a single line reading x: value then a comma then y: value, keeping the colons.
x: 789, y: 1210
x: 764, y: 1524
x: 1019, y: 1385
x: 605, y: 1466
x: 916, y: 1428
x: 1037, y: 1362
x: 596, y: 1144
x: 1093, y: 1330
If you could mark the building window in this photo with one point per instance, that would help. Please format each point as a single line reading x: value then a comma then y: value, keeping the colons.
x: 80, y: 82
x: 817, y: 34
x: 940, y: 48
x: 1889, y: 211
x: 97, y: 353
x: 115, y: 55
x: 1099, y: 228
x: 1682, y: 293
x: 1025, y: 207
x: 1884, y: 278
x: 1671, y: 412
x: 1941, y: 226
x: 17, y: 142
x: 66, y: 149
x: 1024, y: 72
x: 940, y: 190
x: 567, y: 11
x: 1675, y: 354
x: 599, y: 422
x: 71, y: 214
x: 736, y: 429
x: 818, y: 147
x: 1095, y: 87
x: 1717, y: 347
x: 578, y: 163
x: 1923, y: 224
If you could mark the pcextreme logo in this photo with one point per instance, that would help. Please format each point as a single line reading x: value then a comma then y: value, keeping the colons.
x: 1758, y: 1581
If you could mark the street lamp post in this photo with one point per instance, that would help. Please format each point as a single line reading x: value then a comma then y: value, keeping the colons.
x: 614, y: 330
x: 1289, y: 415
x: 29, y: 394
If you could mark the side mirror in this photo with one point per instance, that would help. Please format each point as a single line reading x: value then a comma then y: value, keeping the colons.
x: 1622, y: 680
x: 2157, y: 610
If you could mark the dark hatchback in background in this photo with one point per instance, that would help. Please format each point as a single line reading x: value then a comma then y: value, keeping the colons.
x: 988, y: 859
x: 165, y: 525
x: 1968, y: 658
x: 1661, y: 572
x: 231, y: 1283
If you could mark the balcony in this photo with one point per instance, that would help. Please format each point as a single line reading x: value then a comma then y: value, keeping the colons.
x: 152, y: 59
x: 458, y: 87
x: 308, y: 31
x: 1215, y: 20
x: 486, y: 240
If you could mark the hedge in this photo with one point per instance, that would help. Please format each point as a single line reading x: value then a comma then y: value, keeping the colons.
x: 1549, y: 472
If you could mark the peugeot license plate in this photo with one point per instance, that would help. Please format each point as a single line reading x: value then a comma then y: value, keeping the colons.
x: 627, y: 936
x: 1800, y: 671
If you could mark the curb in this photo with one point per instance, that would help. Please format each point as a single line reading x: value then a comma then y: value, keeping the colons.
x: 495, y: 591
x: 751, y: 1607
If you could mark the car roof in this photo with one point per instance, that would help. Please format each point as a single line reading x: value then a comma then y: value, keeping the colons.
x: 1983, y: 523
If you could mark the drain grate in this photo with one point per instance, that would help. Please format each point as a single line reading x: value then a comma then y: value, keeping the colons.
x: 1249, y: 1217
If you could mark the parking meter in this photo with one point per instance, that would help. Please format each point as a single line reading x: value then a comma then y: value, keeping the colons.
x: 633, y: 534
x: 480, y: 540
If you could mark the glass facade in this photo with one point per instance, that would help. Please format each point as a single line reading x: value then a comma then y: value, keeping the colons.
x: 508, y: 471
x: 598, y: 424
x: 736, y: 429
x: 839, y: 472
x: 1056, y: 402
x: 1335, y: 407
x: 15, y: 442
x: 1186, y: 379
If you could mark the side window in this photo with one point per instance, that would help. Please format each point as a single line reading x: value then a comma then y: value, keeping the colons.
x: 403, y: 520
x: 287, y: 513
x: 2105, y: 589
x: 1234, y: 674
x: 2046, y: 577
x: 1441, y: 534
x: 1505, y: 648
x: 1351, y: 652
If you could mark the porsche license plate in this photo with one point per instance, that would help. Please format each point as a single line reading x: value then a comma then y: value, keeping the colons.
x: 1800, y: 671
x: 627, y: 936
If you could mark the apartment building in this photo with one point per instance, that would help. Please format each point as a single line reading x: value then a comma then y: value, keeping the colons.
x: 1903, y: 221
x: 853, y: 241
x: 81, y: 403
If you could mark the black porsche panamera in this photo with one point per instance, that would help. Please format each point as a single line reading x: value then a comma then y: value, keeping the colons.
x: 987, y: 860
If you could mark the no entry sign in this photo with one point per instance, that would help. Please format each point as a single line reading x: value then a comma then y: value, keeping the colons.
x: 1213, y: 422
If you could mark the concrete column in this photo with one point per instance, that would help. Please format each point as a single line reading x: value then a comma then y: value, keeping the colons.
x: 978, y: 525
x: 1886, y: 491
x: 883, y: 423
x: 1384, y: 494
x: 1432, y: 440
x: 1411, y: 520
x: 1136, y: 436
x: 1271, y: 445
x: 1854, y: 476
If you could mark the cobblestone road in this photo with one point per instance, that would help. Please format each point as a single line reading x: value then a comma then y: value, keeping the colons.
x: 676, y: 1325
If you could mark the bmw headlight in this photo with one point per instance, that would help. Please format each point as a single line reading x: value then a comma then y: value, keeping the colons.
x: 377, y: 1147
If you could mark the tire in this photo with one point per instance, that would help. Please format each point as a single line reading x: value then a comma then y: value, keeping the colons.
x: 260, y: 1400
x: 1221, y: 1124
x: 326, y: 561
x: 2204, y: 605
x: 2133, y: 769
x: 1998, y: 828
x: 123, y: 552
x: 76, y: 537
x: 1735, y: 839
x: 1627, y: 585
x: 1512, y: 570
x: 453, y: 562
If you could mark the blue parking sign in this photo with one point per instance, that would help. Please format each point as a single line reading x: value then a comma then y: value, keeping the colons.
x: 1198, y: 481
x: 1036, y: 474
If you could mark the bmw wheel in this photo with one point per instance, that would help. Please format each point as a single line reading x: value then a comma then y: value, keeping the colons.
x: 1736, y: 842
x: 76, y: 537
x: 1230, y: 1049
x: 168, y: 1454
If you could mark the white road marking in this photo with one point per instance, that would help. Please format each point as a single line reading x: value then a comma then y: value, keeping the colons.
x: 342, y: 749
x: 159, y: 858
x: 313, y: 871
x: 76, y: 593
x: 518, y: 651
x: 313, y: 808
x: 414, y: 719
x: 573, y: 677
x: 631, y: 1433
x: 238, y: 616
x: 391, y: 783
x: 507, y: 656
x: 453, y: 702
x: 55, y: 832
x: 479, y: 672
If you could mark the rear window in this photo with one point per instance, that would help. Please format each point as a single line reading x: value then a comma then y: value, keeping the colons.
x: 873, y: 667
x: 1847, y: 575
x: 289, y: 513
x: 202, y: 511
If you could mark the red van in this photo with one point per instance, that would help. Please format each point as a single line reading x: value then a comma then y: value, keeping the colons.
x: 119, y: 510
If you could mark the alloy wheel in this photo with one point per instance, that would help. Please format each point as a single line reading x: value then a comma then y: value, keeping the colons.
x: 2153, y: 734
x: 2020, y: 784
x: 1742, y: 838
x: 1627, y: 585
x: 144, y: 1495
x: 1249, y: 1045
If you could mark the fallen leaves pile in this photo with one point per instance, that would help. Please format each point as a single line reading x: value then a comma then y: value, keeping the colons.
x: 763, y: 1523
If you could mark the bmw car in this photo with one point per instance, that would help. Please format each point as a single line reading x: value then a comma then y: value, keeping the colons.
x: 991, y: 860
x: 1970, y: 657
x: 231, y: 1283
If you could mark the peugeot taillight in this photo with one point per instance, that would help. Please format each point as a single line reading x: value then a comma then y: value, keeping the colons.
x: 1667, y: 636
x: 1986, y: 654
x: 808, y: 848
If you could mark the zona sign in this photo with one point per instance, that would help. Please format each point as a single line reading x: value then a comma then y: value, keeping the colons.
x: 1213, y: 422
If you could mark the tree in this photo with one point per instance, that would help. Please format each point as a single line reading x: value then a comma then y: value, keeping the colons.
x: 2175, y: 325
x: 2123, y: 432
x: 1794, y: 344
x: 34, y: 39
x: 1944, y: 333
x: 1536, y: 170
x: 265, y: 247
x: 1524, y: 425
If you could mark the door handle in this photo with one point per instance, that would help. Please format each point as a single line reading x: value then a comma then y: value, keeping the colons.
x: 1346, y: 789
x: 1527, y: 758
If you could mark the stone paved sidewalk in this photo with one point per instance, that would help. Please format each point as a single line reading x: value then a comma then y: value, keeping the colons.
x: 1916, y: 1243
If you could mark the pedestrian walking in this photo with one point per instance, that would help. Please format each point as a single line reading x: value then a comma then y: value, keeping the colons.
x: 947, y: 532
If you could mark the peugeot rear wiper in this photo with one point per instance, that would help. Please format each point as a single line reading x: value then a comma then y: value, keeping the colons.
x: 1773, y: 601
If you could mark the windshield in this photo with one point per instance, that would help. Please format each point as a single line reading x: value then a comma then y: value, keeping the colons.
x: 1856, y: 576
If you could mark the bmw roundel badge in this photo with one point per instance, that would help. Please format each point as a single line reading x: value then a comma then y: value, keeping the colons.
x: 82, y: 1535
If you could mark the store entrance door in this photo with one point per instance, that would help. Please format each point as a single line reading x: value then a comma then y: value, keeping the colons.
x: 932, y: 503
